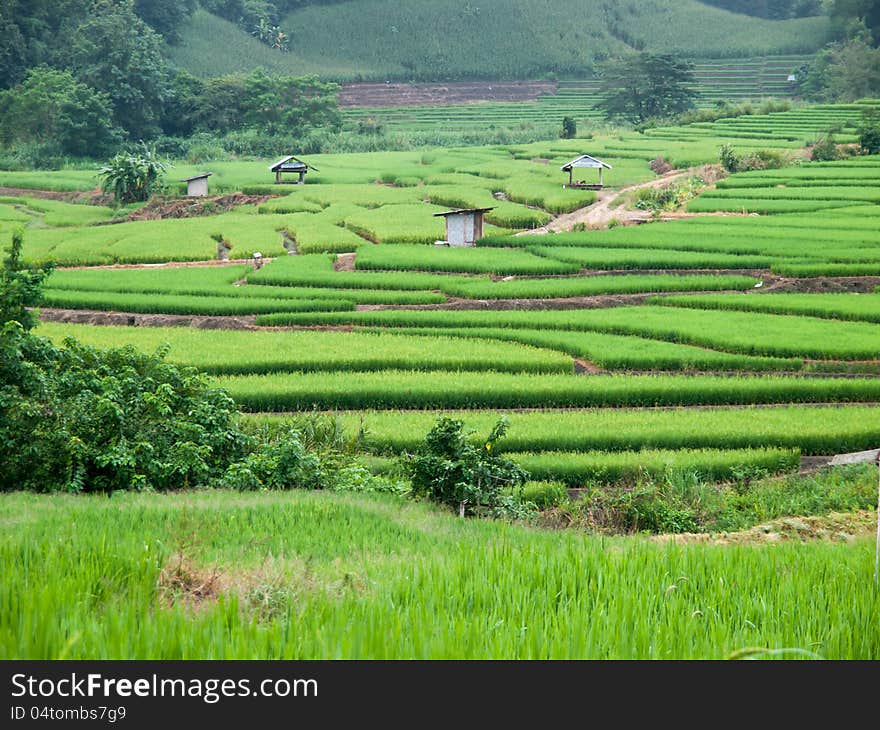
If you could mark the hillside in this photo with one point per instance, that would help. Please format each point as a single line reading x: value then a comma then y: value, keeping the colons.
x: 440, y: 39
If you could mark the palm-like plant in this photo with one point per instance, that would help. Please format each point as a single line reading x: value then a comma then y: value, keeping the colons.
x: 132, y: 176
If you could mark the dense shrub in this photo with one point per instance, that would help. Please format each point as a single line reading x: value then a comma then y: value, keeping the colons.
x: 451, y: 470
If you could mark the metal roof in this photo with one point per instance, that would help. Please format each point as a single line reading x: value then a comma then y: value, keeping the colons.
x: 280, y: 162
x: 463, y: 210
x: 586, y: 161
x: 197, y: 177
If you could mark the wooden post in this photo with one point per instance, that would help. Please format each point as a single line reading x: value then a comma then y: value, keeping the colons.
x: 278, y: 176
x: 570, y: 176
x: 600, y: 178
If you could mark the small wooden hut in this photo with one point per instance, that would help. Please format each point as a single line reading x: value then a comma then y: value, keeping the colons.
x: 463, y: 227
x: 291, y: 165
x: 197, y: 185
x: 588, y: 162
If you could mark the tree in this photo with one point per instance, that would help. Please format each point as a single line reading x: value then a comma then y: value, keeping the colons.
x: 844, y: 71
x: 850, y: 18
x: 646, y: 86
x: 21, y: 288
x: 52, y: 106
x: 165, y: 16
x: 115, y: 52
x: 869, y: 133
x: 290, y: 104
x: 450, y: 470
x: 569, y: 128
x: 132, y: 176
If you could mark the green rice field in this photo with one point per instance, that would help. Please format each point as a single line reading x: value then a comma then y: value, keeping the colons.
x: 670, y: 386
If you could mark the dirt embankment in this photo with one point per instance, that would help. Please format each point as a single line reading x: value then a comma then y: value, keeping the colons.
x: 86, y: 197
x: 160, y: 208
x: 129, y: 319
x: 442, y: 94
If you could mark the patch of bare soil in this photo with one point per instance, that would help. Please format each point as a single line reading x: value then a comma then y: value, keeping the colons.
x: 91, y: 197
x: 585, y: 367
x: 836, y: 527
x: 130, y: 319
x: 168, y: 264
x: 181, y: 582
x: 344, y: 262
x: 812, y: 464
x: 442, y: 94
x: 159, y: 208
x: 826, y: 284
x: 453, y: 304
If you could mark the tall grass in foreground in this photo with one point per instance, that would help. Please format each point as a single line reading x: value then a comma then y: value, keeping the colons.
x: 308, y: 575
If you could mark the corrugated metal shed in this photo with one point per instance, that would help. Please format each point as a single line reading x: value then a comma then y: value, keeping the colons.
x: 586, y: 161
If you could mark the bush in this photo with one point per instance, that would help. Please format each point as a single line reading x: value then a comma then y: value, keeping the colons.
x: 569, y: 128
x: 450, y: 470
x: 758, y: 160
x: 825, y: 150
x: 669, y: 197
x: 869, y: 134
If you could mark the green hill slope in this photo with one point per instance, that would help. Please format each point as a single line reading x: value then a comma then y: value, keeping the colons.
x: 439, y: 39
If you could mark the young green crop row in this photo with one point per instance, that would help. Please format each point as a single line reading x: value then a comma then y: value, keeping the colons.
x: 453, y: 260
x: 628, y: 467
x: 827, y: 193
x: 593, y: 468
x: 646, y: 258
x: 416, y: 390
x: 186, y: 304
x: 749, y: 333
x: 242, y: 352
x: 440, y: 587
x: 856, y: 307
x: 317, y: 271
x: 812, y: 430
x: 705, y: 204
x: 217, y: 281
x: 620, y: 352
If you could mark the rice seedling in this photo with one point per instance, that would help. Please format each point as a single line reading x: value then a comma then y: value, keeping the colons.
x: 412, y: 390
x: 296, y: 352
x: 439, y: 587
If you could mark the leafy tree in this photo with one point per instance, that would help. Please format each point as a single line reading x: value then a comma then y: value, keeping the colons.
x: 165, y: 16
x: 115, y: 52
x: 569, y: 128
x: 294, y: 105
x: 20, y: 286
x: 825, y: 150
x: 450, y: 470
x: 132, y: 176
x: 13, y: 50
x: 647, y: 86
x: 849, y: 18
x: 50, y: 105
x: 869, y: 133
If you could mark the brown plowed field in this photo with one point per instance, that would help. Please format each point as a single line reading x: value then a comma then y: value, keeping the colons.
x: 440, y: 94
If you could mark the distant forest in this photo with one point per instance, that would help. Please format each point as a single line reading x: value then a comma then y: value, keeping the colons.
x: 83, y: 77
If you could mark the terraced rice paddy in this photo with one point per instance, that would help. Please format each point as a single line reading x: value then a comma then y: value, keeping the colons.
x: 675, y: 373
x: 737, y: 80
x: 732, y: 328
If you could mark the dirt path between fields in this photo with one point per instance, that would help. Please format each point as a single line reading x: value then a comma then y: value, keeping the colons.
x: 610, y: 204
